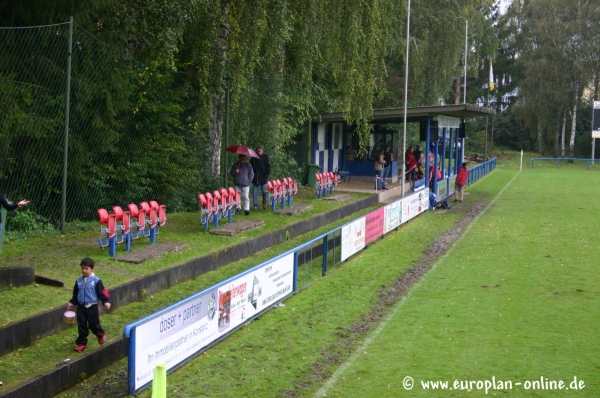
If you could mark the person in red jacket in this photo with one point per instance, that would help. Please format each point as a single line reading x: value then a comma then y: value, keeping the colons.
x: 461, y: 181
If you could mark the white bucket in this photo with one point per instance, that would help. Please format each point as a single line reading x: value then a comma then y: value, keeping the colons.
x: 69, y: 317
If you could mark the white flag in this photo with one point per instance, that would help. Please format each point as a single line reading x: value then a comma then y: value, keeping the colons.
x: 491, y: 76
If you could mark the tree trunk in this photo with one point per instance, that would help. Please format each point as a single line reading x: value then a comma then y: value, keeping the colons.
x: 540, y: 136
x: 562, y: 138
x: 279, y: 114
x: 556, y: 140
x: 596, y: 75
x: 457, y: 91
x: 215, y: 134
x: 574, y: 123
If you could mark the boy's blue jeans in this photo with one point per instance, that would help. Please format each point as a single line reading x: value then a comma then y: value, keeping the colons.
x: 264, y: 189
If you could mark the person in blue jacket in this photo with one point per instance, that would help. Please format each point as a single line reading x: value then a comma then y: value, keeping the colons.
x: 87, y: 292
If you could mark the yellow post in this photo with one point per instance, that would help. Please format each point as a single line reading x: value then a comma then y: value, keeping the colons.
x: 159, y: 382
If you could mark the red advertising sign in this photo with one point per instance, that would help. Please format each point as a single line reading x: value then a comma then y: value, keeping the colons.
x: 374, y: 227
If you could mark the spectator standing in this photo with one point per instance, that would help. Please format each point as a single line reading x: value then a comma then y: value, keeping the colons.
x: 242, y: 174
x: 461, y: 181
x: 407, y: 155
x: 418, y: 155
x: 379, y: 166
x: 411, y: 167
x: 261, y: 168
x: 388, y: 157
x: 8, y: 206
x: 88, y: 290
x: 438, y: 175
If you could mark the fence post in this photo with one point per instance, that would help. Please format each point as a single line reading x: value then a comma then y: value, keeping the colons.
x: 324, y: 271
x: 295, y: 280
x: 63, y: 210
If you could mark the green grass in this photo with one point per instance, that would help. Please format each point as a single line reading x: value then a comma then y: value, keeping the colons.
x: 21, y: 365
x: 58, y: 256
x: 517, y: 299
x: 280, y: 349
x: 514, y: 300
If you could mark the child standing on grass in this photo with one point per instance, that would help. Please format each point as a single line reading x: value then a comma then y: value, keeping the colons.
x: 88, y: 290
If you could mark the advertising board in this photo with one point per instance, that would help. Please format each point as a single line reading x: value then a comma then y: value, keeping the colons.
x: 392, y: 216
x: 353, y: 238
x: 178, y: 332
x: 374, y: 226
x: 415, y: 204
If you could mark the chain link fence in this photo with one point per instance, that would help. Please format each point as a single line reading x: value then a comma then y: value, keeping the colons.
x: 115, y: 126
x: 132, y: 132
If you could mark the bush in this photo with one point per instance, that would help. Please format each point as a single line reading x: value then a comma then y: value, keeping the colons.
x: 25, y: 224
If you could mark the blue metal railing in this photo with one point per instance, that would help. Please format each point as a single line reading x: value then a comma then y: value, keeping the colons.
x: 558, y: 160
x: 475, y: 173
x: 481, y: 170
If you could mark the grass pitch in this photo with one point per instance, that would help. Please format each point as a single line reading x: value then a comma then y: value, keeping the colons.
x: 515, y: 301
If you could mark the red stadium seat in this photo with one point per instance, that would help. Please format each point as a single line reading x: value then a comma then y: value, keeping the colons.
x: 109, y: 231
x: 162, y: 215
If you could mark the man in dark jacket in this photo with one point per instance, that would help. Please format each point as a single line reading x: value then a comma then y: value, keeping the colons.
x: 242, y: 174
x: 8, y: 206
x: 262, y: 169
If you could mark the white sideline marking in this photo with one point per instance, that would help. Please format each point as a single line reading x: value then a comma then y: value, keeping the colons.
x: 336, y: 375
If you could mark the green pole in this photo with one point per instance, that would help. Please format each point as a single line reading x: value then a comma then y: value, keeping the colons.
x: 63, y: 210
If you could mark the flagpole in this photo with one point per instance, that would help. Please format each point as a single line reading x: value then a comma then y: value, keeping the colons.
x: 466, y: 46
x: 487, y: 104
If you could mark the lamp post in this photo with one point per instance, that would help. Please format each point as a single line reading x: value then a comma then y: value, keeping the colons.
x: 405, y: 99
x: 466, y: 46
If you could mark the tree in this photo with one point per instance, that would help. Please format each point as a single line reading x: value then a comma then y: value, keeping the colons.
x: 557, y: 58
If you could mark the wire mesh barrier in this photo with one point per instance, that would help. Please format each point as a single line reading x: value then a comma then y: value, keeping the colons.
x: 91, y: 128
x: 108, y: 140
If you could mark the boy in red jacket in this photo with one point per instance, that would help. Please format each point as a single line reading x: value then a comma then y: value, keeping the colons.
x: 461, y: 181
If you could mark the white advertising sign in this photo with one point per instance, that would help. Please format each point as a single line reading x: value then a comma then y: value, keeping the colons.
x: 452, y: 185
x: 175, y: 335
x: 442, y: 189
x: 392, y: 216
x: 353, y: 238
x: 415, y: 204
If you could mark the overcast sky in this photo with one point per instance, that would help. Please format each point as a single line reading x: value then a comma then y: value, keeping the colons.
x: 503, y: 5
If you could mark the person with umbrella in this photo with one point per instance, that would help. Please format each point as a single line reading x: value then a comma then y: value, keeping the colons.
x: 262, y: 168
x: 242, y: 174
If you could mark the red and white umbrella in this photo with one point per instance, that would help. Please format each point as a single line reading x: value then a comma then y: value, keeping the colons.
x: 242, y: 150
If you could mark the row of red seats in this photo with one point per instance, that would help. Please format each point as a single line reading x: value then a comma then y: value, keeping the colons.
x: 119, y: 224
x: 281, y: 189
x: 326, y: 181
x: 218, y: 204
